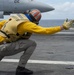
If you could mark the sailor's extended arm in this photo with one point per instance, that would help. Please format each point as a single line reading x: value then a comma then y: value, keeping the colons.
x: 33, y: 28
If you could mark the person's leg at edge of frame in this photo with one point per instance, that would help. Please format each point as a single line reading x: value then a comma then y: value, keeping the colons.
x: 1, y: 56
x: 21, y: 70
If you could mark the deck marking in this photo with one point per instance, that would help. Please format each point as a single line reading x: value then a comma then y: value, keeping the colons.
x: 40, y: 61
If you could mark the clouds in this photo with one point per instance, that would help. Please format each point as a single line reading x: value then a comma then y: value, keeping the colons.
x: 65, y: 7
x: 62, y: 11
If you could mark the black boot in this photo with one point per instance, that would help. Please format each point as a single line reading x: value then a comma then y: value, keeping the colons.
x: 23, y: 71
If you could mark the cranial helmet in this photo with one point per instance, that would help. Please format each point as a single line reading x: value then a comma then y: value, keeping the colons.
x: 35, y: 14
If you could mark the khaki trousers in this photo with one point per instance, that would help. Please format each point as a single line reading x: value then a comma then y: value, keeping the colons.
x: 8, y: 49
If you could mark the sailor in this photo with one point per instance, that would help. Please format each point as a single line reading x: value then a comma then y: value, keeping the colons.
x: 15, y: 33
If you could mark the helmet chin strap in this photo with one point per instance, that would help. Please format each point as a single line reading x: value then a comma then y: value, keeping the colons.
x: 28, y: 16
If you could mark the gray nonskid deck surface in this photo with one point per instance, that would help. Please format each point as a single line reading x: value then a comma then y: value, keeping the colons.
x: 54, y: 48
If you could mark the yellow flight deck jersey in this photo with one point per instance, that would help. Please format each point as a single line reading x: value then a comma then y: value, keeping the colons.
x: 32, y: 28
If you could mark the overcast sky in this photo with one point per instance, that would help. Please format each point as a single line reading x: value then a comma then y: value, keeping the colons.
x: 63, y: 9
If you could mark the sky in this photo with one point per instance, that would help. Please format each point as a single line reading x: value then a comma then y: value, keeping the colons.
x: 63, y: 9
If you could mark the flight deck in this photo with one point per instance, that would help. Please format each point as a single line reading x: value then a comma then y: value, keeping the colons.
x: 54, y: 55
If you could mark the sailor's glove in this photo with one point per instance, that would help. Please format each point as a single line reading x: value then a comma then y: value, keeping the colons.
x: 67, y: 24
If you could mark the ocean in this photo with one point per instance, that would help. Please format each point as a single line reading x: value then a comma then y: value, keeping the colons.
x: 48, y: 23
